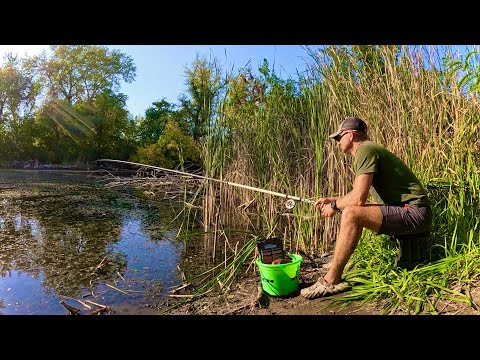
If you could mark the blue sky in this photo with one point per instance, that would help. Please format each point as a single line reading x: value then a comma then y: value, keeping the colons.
x: 161, y: 68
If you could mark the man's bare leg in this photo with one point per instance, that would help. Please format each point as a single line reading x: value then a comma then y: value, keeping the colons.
x: 354, y: 219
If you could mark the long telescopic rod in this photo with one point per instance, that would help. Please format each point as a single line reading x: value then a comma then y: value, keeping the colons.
x: 296, y: 198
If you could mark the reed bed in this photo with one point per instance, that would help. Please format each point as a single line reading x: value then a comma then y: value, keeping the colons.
x: 273, y: 134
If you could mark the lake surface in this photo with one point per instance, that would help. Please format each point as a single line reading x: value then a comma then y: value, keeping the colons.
x: 65, y: 237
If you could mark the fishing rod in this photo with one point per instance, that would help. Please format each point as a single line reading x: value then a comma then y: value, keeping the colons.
x: 289, y: 204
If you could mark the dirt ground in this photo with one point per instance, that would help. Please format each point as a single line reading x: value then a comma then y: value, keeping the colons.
x: 246, y: 297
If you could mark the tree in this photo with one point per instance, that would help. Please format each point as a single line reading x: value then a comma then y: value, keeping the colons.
x: 83, y: 107
x: 112, y: 128
x: 172, y: 148
x: 204, y: 85
x: 152, y: 126
x: 18, y: 91
x: 79, y: 73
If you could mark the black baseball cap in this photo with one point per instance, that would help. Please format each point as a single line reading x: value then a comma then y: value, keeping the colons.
x: 350, y: 124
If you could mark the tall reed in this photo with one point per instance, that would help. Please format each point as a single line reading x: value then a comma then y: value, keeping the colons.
x: 274, y: 135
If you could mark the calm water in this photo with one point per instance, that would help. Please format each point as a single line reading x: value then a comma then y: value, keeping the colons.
x: 63, y: 236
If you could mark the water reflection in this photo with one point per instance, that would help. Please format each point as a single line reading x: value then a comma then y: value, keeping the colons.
x: 62, y: 236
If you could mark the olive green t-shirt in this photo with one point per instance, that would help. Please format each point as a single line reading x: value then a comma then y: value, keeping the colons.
x: 393, y: 182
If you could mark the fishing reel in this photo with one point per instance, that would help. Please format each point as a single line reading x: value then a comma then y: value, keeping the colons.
x: 289, y: 204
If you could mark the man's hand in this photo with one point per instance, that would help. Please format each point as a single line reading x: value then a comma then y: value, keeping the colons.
x: 322, y: 201
x: 327, y: 210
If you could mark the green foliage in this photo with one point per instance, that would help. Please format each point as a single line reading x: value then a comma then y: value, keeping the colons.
x: 86, y: 131
x: 372, y: 272
x: 152, y: 126
x: 68, y: 120
x: 466, y: 68
x: 18, y: 92
x: 264, y: 122
x: 172, y: 148
x: 15, y: 143
x: 83, y: 116
x: 80, y: 73
x: 113, y: 129
x: 287, y: 87
x: 204, y: 85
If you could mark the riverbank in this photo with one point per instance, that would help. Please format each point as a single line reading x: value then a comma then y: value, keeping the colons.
x: 246, y: 297
x: 36, y: 165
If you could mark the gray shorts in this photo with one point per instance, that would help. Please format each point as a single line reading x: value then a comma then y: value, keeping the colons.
x: 405, y: 220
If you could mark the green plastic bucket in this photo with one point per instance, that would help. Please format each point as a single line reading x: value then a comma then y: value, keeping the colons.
x: 280, y: 279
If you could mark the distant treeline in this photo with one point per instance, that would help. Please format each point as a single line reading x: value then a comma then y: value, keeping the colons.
x: 66, y: 109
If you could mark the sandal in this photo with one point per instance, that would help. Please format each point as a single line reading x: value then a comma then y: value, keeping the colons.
x: 322, y: 288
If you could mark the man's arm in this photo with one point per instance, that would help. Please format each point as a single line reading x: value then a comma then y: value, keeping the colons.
x: 358, y: 195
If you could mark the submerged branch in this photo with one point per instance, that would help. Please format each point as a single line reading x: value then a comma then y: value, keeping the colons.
x: 152, y: 183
